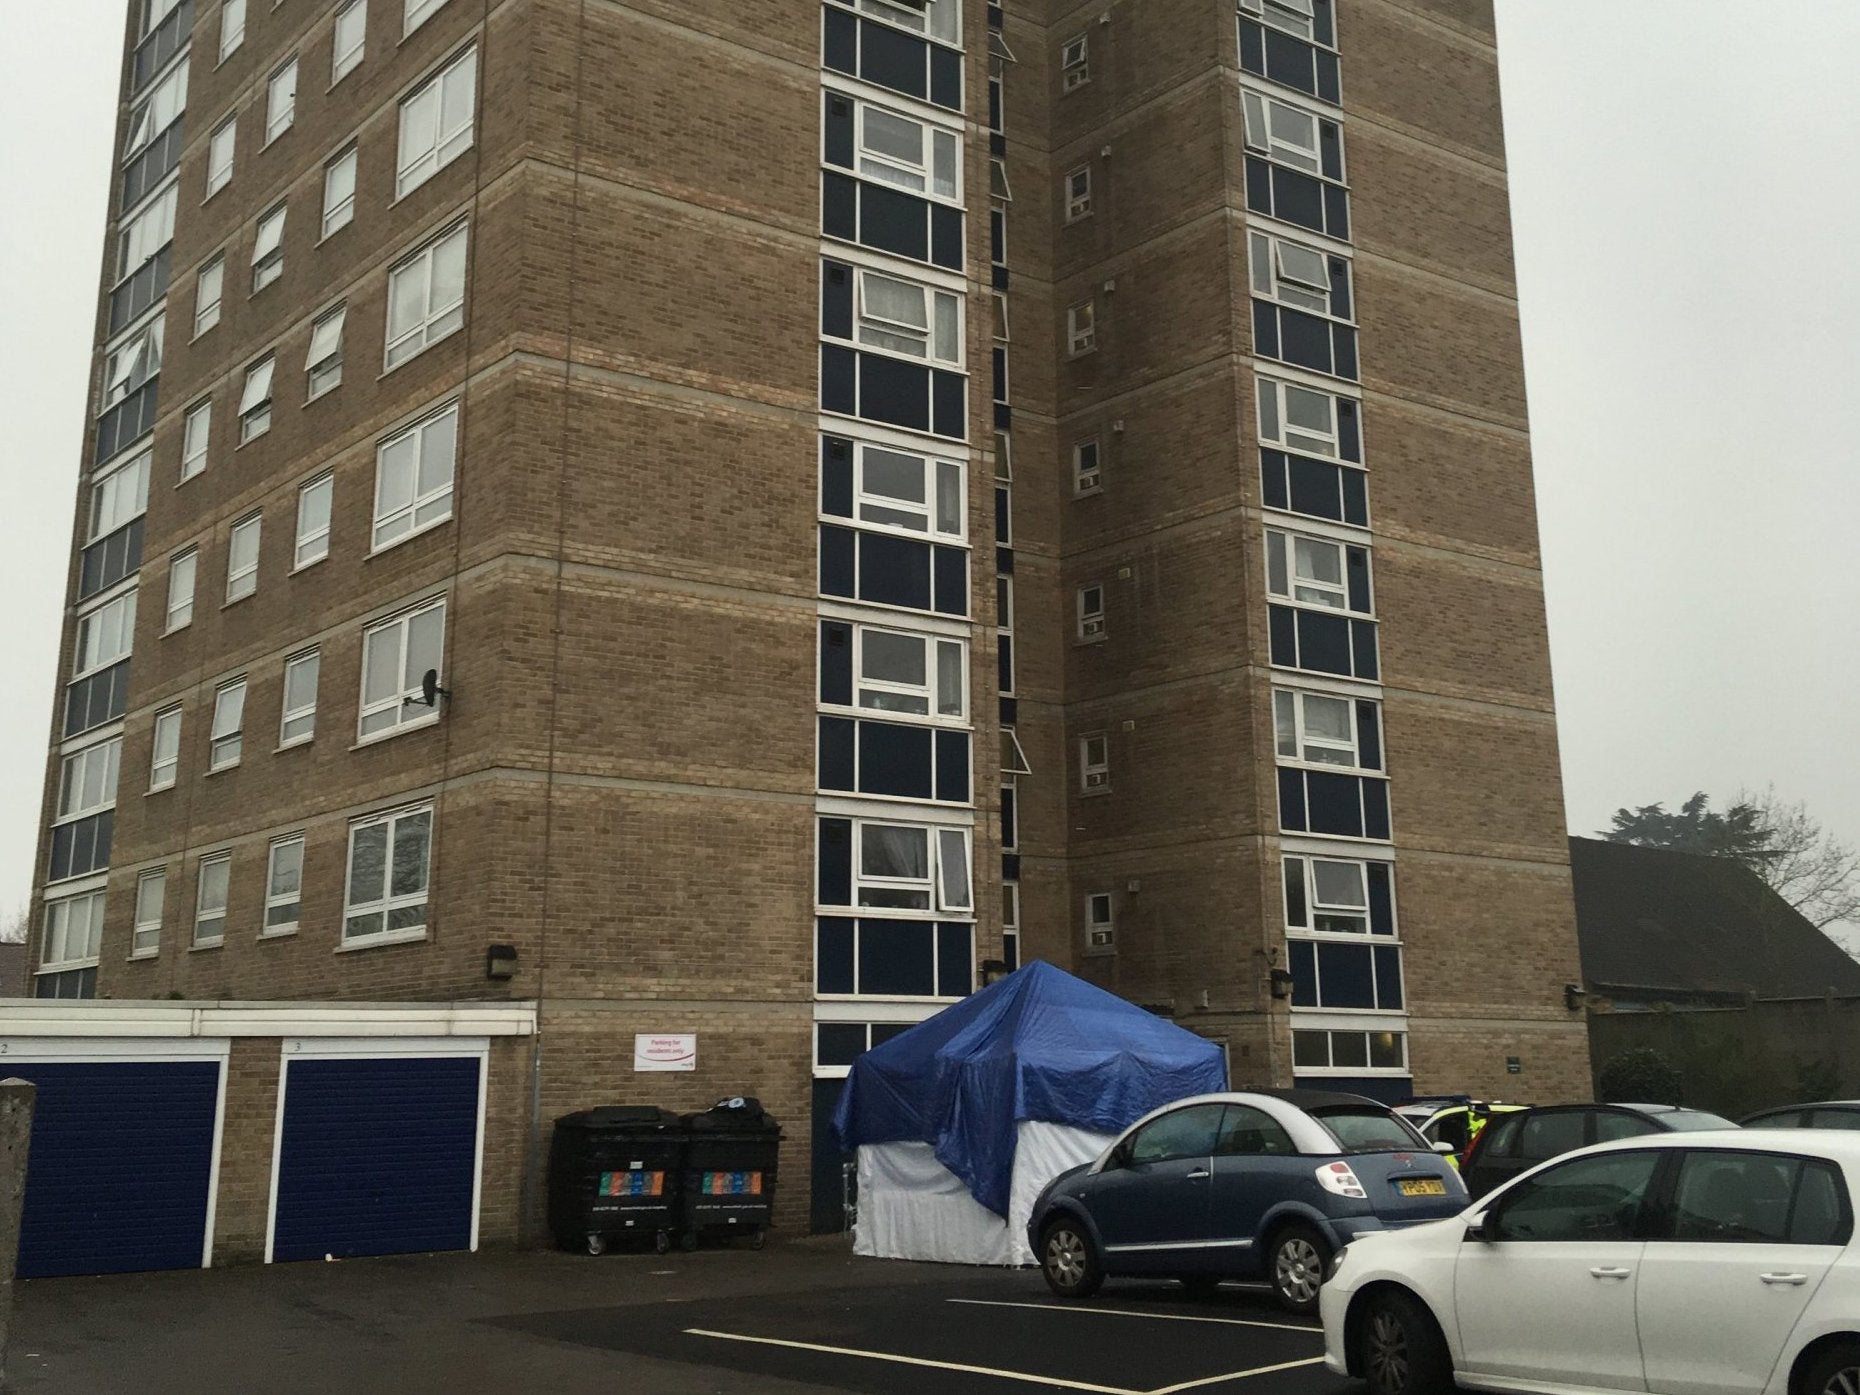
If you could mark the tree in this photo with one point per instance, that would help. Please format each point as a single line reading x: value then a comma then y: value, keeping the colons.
x: 1738, y: 833
x: 1639, y: 1076
x: 15, y: 924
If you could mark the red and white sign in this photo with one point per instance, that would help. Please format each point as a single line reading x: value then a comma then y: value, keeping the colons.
x: 652, y: 1052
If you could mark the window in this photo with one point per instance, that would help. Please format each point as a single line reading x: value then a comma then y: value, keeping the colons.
x: 119, y: 497
x: 324, y: 361
x: 339, y: 191
x: 1335, y: 896
x: 895, y: 671
x: 313, y: 509
x: 902, y: 490
x: 68, y: 952
x: 105, y: 635
x: 297, y: 722
x: 418, y: 12
x: 999, y: 188
x: 1100, y: 923
x: 1078, y: 194
x: 1004, y: 640
x: 242, y: 558
x: 87, y: 781
x: 226, y: 740
x: 436, y: 123
x: 255, y: 400
x: 1586, y: 1200
x: 911, y: 867
x: 1304, y: 419
x: 413, y: 477
x: 165, y: 750
x: 426, y: 297
x: 1317, y: 571
x: 210, y: 899
x: 154, y: 12
x: 350, y: 40
x: 1094, y: 763
x: 903, y: 151
x: 151, y: 892
x: 1010, y: 924
x: 1285, y: 133
x: 181, y: 570
x: 1087, y: 474
x: 388, y: 858
x: 268, y: 249
x: 157, y: 112
x: 1081, y: 329
x: 220, y: 155
x: 1323, y: 730
x: 940, y: 19
x: 905, y: 317
x: 207, y: 295
x: 1010, y: 815
x: 133, y: 362
x: 396, y: 655
x: 1091, y: 612
x: 232, y: 27
x: 281, y: 101
x: 1292, y: 16
x: 1349, y: 1051
x: 284, y: 884
x: 1183, y: 1133
x: 1300, y: 276
x: 1075, y: 63
x: 194, y: 436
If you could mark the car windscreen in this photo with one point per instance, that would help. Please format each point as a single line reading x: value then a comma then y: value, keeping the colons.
x: 1370, y: 1131
x: 1686, y: 1120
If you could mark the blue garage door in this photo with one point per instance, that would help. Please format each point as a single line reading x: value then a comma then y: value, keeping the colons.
x: 377, y: 1157
x: 120, y: 1168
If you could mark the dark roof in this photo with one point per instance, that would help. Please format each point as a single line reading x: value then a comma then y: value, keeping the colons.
x: 1320, y: 1099
x: 1678, y: 924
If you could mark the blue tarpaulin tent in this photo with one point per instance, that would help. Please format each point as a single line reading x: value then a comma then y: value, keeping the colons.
x: 1040, y: 1045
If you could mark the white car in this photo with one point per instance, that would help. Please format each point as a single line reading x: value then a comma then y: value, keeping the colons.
x: 1719, y: 1263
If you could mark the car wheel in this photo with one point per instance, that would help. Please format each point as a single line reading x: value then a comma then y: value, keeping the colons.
x: 1207, y: 1285
x: 1068, y: 1260
x: 1295, y: 1268
x: 1835, y: 1372
x: 1399, y: 1348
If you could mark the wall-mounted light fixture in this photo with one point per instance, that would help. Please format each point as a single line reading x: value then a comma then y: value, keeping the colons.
x: 1573, y: 994
x: 1280, y: 980
x: 993, y: 971
x: 500, y: 961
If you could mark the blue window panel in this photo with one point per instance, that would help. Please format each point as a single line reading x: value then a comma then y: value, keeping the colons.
x: 1258, y: 185
x: 952, y: 766
x: 1381, y: 899
x: 1000, y: 373
x: 1293, y: 816
x: 838, y: 570
x: 1388, y: 978
x: 836, y: 299
x: 895, y: 222
x: 840, y: 43
x: 127, y: 422
x: 1323, y: 642
x: 1004, y: 417
x: 110, y: 559
x: 1364, y: 652
x: 836, y: 759
x: 1323, y: 26
x: 1010, y: 867
x: 1330, y: 150
x: 833, y: 954
x: 1349, y: 432
x: 1000, y: 278
x: 894, y: 571
x: 81, y: 846
x: 1340, y: 289
x: 839, y: 206
x: 952, y: 581
x: 834, y: 862
x: 893, y: 60
x: 997, y: 236
x: 1389, y: 1089
x: 376, y: 1157
x: 1004, y: 663
x: 946, y: 236
x: 122, y: 1162
x: 1266, y: 330
x: 994, y: 106
x: 1356, y: 498
x: 836, y: 476
x: 1297, y: 197
x: 883, y: 1032
x: 946, y: 78
x: 1346, y: 976
x: 839, y: 379
x: 1290, y: 61
x: 1009, y: 711
x: 1004, y: 561
x: 1253, y: 47
x: 951, y: 400
x: 1319, y: 488
x: 955, y: 960
x: 1335, y: 803
x: 100, y: 698
x: 1337, y: 212
x: 1302, y: 956
x: 997, y: 143
x: 1004, y: 515
x: 1376, y: 809
x: 1329, y: 78
x: 1296, y: 911
x: 836, y: 679
x: 893, y: 391
x: 1369, y: 735
x: 1275, y: 489
x: 838, y: 1043
x: 897, y: 957
x: 836, y: 129
x: 1282, y: 635
x: 896, y: 760
x: 1356, y: 575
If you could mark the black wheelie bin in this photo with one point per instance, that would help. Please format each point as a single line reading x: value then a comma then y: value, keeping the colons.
x: 614, y: 1174
x: 732, y: 1150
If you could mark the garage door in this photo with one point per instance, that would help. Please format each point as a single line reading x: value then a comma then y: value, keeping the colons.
x: 120, y: 1176
x: 377, y: 1156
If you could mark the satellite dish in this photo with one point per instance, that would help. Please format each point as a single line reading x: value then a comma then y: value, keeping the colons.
x: 430, y: 691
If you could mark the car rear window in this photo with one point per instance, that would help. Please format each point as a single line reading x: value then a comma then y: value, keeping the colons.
x: 1685, y: 1120
x: 1370, y: 1131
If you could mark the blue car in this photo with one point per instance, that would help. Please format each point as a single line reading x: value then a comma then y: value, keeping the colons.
x: 1264, y: 1184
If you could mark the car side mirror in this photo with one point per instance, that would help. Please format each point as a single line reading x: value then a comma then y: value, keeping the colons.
x: 1445, y: 1148
x: 1477, y: 1230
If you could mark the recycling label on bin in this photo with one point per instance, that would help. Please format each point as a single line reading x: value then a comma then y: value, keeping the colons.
x: 731, y: 1184
x: 632, y: 1184
x: 652, y: 1052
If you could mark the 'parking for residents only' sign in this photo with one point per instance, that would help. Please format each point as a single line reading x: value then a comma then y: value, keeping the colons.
x: 664, y: 1052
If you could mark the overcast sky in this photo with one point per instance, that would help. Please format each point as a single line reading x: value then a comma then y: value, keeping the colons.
x: 1683, y: 197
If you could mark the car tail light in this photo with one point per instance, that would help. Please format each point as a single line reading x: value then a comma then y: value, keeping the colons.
x: 1339, y: 1178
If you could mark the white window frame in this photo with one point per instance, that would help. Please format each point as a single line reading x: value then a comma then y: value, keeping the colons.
x: 1263, y: 139
x: 87, y: 781
x: 1075, y: 62
x: 255, y: 399
x: 417, y: 12
x: 154, y: 12
x: 1276, y: 274
x: 290, y: 898
x: 343, y: 61
x: 268, y: 247
x: 339, y: 190
x: 1081, y: 328
x: 1294, y: 17
x: 145, y: 932
x: 312, y: 534
x: 947, y: 856
x: 999, y: 188
x: 945, y: 483
x: 1313, y: 1026
x: 1089, y: 600
x: 280, y: 100
x: 1100, y: 922
x: 942, y: 342
x: 183, y: 577
x: 232, y: 27
x: 388, y: 902
x: 938, y: 158
x: 156, y: 112
x: 222, y: 149
x: 932, y: 692
x: 242, y: 570
x: 209, y: 290
x: 437, y: 145
x: 436, y: 321
x: 1273, y: 397
x: 1290, y: 718
x: 936, y: 19
x: 106, y: 634
x: 420, y: 509
x: 134, y: 361
x: 119, y: 498
x: 1094, y: 763
x: 302, y: 717
x: 226, y: 737
x: 323, y: 359
x: 57, y: 933
x: 1087, y: 467
x: 1285, y: 581
x: 1307, y: 872
x: 194, y: 445
x: 165, y: 764
x: 1078, y: 194
x: 215, y: 867
x: 398, y: 629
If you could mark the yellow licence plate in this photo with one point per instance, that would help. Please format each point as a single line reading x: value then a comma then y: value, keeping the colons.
x: 1421, y: 1186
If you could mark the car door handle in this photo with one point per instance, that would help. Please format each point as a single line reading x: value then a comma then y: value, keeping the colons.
x: 1601, y: 1272
x: 1794, y: 1280
x: 1197, y: 1176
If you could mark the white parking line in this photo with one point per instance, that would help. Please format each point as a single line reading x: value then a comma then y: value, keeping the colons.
x: 1052, y: 1382
x: 1236, y: 1375
x: 1126, y: 1312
